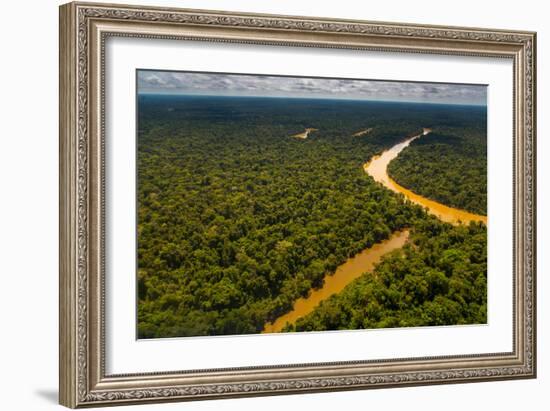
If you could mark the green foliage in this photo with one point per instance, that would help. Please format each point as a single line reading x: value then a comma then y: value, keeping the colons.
x: 438, y: 278
x: 237, y: 219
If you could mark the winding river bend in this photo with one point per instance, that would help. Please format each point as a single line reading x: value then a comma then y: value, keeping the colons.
x: 377, y: 168
x: 368, y: 258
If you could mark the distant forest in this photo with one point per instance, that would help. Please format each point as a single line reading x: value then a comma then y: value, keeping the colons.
x: 237, y: 218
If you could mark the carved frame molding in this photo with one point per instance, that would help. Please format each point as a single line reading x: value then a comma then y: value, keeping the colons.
x: 84, y: 27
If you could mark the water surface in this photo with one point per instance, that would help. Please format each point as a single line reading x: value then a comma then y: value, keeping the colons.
x: 377, y: 168
x: 347, y: 272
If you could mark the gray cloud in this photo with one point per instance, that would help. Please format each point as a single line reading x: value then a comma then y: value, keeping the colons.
x: 273, y: 86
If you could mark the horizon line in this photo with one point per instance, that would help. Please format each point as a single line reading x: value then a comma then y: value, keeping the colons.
x: 308, y: 98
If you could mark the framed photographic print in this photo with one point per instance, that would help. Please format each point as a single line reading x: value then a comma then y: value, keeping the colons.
x: 260, y: 204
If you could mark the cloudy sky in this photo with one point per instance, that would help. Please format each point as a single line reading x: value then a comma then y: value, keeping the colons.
x: 172, y: 82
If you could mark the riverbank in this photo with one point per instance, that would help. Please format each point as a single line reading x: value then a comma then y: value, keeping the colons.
x: 362, y: 132
x: 377, y: 168
x: 347, y: 272
x: 368, y: 258
x: 305, y: 133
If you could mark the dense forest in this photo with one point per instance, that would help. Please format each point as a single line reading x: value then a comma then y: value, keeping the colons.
x: 448, y: 165
x: 438, y: 278
x: 237, y: 219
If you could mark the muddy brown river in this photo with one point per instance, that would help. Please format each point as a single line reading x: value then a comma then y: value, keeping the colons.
x: 377, y: 168
x: 368, y: 258
x: 345, y: 273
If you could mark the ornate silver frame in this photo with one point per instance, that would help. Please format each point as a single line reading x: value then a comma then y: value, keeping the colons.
x: 83, y: 30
